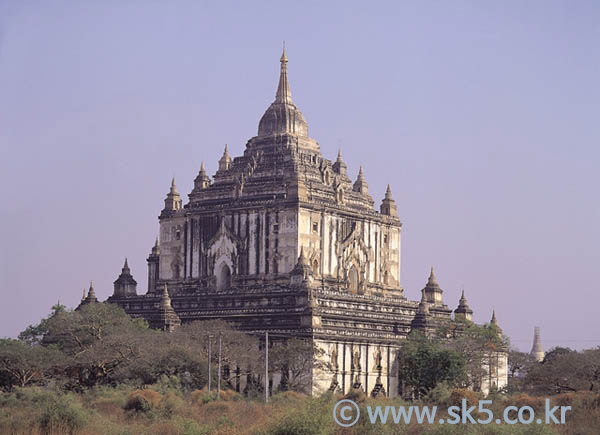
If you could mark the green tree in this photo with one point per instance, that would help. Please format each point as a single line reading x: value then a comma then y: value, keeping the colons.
x: 97, y: 339
x: 425, y: 362
x: 35, y: 333
x: 23, y: 364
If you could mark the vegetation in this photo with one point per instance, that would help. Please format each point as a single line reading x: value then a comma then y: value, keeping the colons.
x: 98, y: 371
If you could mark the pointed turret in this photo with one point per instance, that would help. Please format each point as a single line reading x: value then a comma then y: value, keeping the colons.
x: 225, y: 160
x: 84, y: 296
x: 283, y: 116
x: 339, y: 166
x: 536, y: 350
x: 90, y: 298
x: 463, y: 310
x: 202, y: 181
x: 153, y: 264
x: 388, y: 205
x: 421, y: 321
x: 165, y: 300
x: 432, y: 293
x: 166, y: 318
x: 494, y: 322
x: 360, y: 185
x: 173, y: 200
x: 125, y: 285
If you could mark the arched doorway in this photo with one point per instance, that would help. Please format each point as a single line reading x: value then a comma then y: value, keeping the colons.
x: 223, y: 277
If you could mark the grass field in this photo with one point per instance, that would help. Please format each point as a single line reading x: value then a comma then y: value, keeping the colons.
x: 165, y: 410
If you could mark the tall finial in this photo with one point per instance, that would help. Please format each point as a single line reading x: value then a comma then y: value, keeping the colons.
x: 284, y: 95
x: 494, y: 321
x: 125, y: 266
x: 339, y: 156
x: 84, y: 295
x: 388, y: 192
x: 91, y: 293
x: 432, y: 279
x: 283, y: 56
x: 202, y: 166
x: 174, y: 187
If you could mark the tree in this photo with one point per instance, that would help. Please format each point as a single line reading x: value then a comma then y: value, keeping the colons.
x: 424, y: 363
x: 35, y: 333
x: 97, y: 339
x: 23, y: 364
x: 477, y: 343
x: 564, y: 370
x: 295, y: 359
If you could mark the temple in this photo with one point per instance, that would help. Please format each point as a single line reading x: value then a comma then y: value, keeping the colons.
x: 281, y: 239
x: 537, y: 352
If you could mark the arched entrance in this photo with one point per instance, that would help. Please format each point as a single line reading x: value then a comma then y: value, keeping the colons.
x: 223, y: 277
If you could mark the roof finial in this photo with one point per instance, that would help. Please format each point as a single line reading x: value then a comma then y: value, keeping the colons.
x: 125, y: 266
x: 494, y: 321
x: 91, y: 293
x: 174, y: 187
x: 388, y: 192
x: 202, y: 166
x: 84, y: 295
x: 284, y: 95
x: 339, y: 156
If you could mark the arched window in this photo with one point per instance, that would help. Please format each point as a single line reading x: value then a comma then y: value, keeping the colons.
x: 315, y: 267
x: 353, y: 280
x: 386, y: 278
x: 223, y: 277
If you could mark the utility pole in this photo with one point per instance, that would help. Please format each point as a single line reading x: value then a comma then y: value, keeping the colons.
x: 209, y: 374
x: 266, y: 367
x: 219, y: 372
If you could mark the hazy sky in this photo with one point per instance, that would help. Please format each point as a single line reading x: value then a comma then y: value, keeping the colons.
x: 483, y: 117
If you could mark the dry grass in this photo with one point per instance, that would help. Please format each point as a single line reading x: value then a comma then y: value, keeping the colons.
x: 121, y: 411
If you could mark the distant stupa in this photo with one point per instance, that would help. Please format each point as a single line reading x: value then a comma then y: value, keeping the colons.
x: 536, y: 351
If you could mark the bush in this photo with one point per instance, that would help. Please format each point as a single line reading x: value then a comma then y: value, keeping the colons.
x: 64, y: 415
x: 440, y: 395
x: 458, y: 394
x: 142, y: 400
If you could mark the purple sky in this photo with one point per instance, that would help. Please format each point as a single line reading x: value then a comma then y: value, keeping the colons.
x: 483, y: 117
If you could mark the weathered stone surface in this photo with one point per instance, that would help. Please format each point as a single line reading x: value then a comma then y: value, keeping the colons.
x: 281, y: 240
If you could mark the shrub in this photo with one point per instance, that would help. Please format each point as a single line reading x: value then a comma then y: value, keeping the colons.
x: 142, y: 400
x: 64, y: 415
x: 440, y: 395
x: 458, y: 394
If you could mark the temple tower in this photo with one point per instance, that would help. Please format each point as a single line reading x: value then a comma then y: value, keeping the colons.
x: 536, y: 350
x: 463, y: 311
x: 125, y: 285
